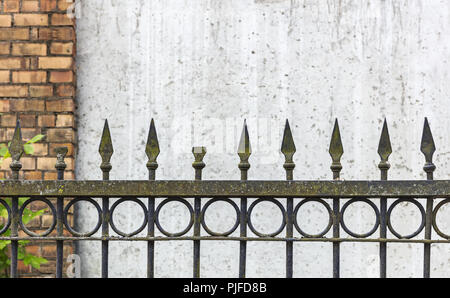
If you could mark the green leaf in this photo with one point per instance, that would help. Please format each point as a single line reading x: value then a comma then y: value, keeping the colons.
x: 28, y: 149
x: 3, y: 150
x: 35, y: 139
x: 8, y: 201
x: 39, y: 212
x: 7, y: 155
x: 26, y: 217
x: 20, y: 254
x: 4, y: 243
x: 4, y: 261
x: 23, y: 242
x: 34, y: 261
x: 27, y: 260
x: 22, y: 200
x: 3, y: 212
x: 28, y: 214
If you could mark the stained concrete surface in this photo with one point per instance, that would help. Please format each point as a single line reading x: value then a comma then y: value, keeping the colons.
x: 200, y: 67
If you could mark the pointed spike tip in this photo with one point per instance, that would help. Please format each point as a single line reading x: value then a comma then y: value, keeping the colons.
x: 336, y: 149
x: 427, y: 146
x: 152, y: 147
x: 245, y: 148
x: 384, y: 146
x: 106, y: 148
x: 288, y: 146
x: 16, y: 146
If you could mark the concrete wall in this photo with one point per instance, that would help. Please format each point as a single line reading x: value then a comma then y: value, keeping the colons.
x: 200, y: 67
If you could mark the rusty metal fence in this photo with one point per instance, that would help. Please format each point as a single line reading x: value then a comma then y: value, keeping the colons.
x: 330, y: 194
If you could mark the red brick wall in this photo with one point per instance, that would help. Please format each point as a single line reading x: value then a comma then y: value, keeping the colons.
x: 37, y: 84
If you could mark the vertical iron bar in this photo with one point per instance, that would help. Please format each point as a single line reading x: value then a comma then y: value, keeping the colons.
x: 59, y: 243
x: 243, y: 233
x: 336, y: 246
x: 383, y: 235
x: 428, y: 148
x: 336, y: 151
x: 14, y: 233
x: 428, y: 224
x: 196, y: 266
x: 105, y: 233
x: 60, y: 167
x: 288, y: 149
x: 244, y: 151
x: 151, y: 233
x: 106, y: 151
x: 384, y: 150
x: 16, y: 151
x: 198, y: 165
x: 427, y: 246
x: 289, y: 234
x: 151, y: 226
x: 152, y: 151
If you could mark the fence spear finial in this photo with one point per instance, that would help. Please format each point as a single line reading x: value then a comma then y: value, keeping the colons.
x: 16, y: 150
x: 384, y: 151
x: 60, y: 165
x: 106, y: 151
x: 428, y: 148
x: 244, y: 152
x: 336, y: 151
x: 198, y: 164
x: 288, y: 149
x: 152, y: 150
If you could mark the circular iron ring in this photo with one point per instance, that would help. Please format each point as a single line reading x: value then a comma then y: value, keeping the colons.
x: 249, y: 217
x: 236, y: 224
x: 377, y: 217
x: 191, y: 221
x: 330, y: 214
x: 8, y: 210
x: 388, y: 215
x: 436, y: 209
x: 113, y: 207
x: 25, y: 229
x: 66, y: 212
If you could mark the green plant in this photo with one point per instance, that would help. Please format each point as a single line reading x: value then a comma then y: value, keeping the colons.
x: 28, y: 215
x: 27, y: 147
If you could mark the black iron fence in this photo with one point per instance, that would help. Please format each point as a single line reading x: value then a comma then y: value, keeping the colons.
x: 330, y: 194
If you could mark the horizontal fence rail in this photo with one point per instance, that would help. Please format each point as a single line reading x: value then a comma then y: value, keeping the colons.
x: 198, y: 196
x: 232, y: 189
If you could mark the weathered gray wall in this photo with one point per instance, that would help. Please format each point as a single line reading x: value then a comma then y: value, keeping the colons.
x: 200, y: 67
